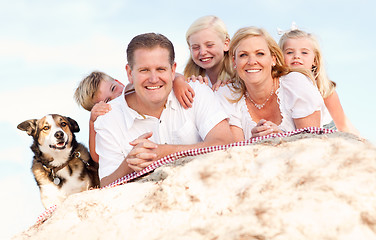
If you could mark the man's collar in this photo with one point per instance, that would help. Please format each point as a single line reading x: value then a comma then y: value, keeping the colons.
x: 172, y: 101
x: 131, y: 115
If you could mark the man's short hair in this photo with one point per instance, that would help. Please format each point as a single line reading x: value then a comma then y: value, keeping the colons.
x: 149, y: 41
x: 88, y: 87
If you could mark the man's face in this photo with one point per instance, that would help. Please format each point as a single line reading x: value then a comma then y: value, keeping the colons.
x: 151, y: 76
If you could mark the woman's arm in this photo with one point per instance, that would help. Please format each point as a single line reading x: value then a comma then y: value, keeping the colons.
x: 237, y: 133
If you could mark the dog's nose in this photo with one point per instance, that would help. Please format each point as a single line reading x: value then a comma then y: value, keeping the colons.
x: 59, y: 134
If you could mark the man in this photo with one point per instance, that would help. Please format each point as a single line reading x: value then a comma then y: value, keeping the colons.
x: 149, y: 123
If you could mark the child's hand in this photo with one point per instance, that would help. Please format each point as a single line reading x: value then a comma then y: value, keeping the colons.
x: 183, y: 92
x: 201, y: 79
x: 99, y: 109
x: 219, y: 83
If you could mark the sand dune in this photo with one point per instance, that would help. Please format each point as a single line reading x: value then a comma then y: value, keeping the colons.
x: 301, y: 187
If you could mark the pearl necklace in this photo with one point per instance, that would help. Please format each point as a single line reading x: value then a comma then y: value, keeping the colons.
x: 259, y: 106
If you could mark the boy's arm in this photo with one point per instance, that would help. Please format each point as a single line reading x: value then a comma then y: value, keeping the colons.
x: 98, y: 109
x: 92, y: 134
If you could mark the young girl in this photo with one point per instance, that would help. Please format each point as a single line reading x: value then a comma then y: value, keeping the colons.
x: 301, y: 50
x: 208, y: 42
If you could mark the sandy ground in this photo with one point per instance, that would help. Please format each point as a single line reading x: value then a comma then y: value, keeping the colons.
x: 300, y: 187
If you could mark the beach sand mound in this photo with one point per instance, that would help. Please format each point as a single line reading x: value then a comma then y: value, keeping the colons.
x: 301, y: 187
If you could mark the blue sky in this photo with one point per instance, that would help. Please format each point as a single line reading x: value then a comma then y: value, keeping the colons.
x: 47, y: 47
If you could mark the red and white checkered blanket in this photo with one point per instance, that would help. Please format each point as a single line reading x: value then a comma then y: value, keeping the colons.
x: 192, y: 152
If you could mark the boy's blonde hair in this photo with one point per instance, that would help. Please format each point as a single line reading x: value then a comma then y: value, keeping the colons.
x: 88, y: 87
x: 219, y: 27
x: 324, y: 84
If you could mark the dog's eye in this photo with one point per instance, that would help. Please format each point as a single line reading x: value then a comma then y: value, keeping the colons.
x: 63, y: 124
x: 45, y: 128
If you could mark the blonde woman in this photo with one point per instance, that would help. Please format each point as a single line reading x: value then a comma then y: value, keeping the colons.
x: 302, y: 50
x: 265, y: 96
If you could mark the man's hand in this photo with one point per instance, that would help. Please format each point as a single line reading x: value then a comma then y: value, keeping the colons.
x: 143, y: 153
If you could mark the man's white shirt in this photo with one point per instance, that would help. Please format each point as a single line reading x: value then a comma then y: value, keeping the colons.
x: 175, y: 126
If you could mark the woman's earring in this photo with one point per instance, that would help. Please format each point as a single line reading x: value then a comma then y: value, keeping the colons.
x: 234, y: 66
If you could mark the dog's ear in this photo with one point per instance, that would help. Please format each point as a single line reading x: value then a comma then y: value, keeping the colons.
x: 29, y: 126
x: 74, y: 124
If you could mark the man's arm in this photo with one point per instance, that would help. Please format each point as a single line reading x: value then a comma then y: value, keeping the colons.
x: 142, y: 149
x: 220, y: 134
x: 146, y: 152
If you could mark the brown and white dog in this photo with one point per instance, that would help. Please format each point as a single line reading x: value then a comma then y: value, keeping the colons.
x: 61, y: 166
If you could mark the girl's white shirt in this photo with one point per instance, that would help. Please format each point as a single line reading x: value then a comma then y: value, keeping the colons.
x: 209, y: 82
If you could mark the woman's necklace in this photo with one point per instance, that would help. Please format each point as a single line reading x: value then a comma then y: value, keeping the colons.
x: 259, y: 106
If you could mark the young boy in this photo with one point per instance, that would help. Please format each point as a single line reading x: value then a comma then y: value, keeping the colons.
x: 93, y: 93
x: 97, y: 89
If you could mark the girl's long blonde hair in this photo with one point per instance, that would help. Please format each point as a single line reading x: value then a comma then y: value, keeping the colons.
x: 219, y: 27
x: 324, y: 84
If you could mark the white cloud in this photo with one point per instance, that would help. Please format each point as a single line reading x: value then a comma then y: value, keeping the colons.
x: 18, y: 154
x: 38, y: 101
x: 35, y: 102
x: 98, y: 50
x: 20, y: 204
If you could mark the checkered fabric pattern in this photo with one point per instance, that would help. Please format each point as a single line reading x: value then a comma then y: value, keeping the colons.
x: 44, y: 216
x: 193, y: 152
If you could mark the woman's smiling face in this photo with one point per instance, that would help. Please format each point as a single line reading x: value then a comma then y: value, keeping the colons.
x: 253, y: 60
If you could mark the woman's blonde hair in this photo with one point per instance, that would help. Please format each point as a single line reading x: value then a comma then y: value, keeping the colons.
x: 324, y: 84
x: 278, y: 70
x: 219, y: 27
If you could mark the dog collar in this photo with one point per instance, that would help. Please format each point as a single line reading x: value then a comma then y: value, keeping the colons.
x: 53, y: 170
